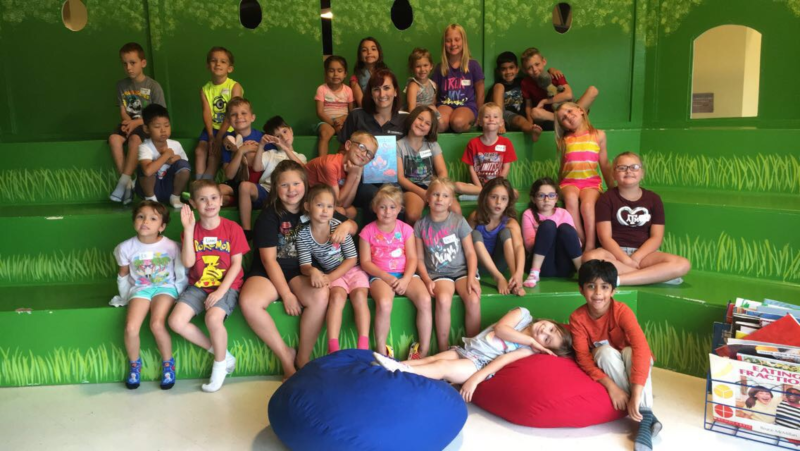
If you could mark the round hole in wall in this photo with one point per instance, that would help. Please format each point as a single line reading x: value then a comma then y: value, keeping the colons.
x: 562, y: 17
x: 73, y: 14
x: 250, y: 14
x: 402, y: 14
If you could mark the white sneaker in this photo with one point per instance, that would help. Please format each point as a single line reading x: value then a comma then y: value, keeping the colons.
x: 391, y: 364
x: 675, y: 281
x: 117, y: 301
x: 127, y: 197
x: 218, y: 373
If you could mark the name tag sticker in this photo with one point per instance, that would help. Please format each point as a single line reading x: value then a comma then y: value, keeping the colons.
x: 209, y: 240
x: 597, y: 344
x: 304, y: 219
x: 334, y: 251
x: 466, y: 82
x: 226, y: 92
x: 146, y: 256
x: 450, y: 239
x: 500, y: 148
x: 145, y: 91
x: 397, y: 253
x: 425, y: 153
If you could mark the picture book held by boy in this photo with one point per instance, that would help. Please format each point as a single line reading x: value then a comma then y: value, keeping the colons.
x: 383, y: 168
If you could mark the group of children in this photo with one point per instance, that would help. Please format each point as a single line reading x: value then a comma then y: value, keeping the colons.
x: 307, y: 254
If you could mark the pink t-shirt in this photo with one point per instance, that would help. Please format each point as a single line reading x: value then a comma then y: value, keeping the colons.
x: 388, y: 250
x: 529, y: 225
x: 335, y: 103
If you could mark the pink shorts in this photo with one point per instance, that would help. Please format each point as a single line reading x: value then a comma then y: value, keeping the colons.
x: 352, y: 279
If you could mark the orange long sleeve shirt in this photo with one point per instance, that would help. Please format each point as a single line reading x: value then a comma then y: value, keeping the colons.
x: 620, y: 327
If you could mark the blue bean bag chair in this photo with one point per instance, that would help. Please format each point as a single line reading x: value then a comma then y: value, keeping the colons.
x: 344, y: 402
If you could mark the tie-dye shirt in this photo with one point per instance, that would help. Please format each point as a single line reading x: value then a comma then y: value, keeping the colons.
x: 441, y: 245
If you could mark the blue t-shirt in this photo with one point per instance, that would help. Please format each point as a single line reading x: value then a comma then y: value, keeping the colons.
x: 254, y: 135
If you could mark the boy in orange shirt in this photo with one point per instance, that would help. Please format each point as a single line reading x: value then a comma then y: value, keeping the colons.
x: 611, y: 348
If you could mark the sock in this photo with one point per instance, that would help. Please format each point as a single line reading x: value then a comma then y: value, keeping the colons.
x: 656, y: 427
x: 218, y: 374
x: 175, y: 201
x: 532, y: 279
x: 363, y: 342
x: 153, y: 198
x: 122, y: 184
x: 644, y: 438
x: 618, y: 281
x: 333, y: 345
x: 230, y: 362
x: 391, y: 364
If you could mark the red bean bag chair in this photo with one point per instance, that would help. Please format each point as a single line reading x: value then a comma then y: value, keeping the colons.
x: 544, y: 391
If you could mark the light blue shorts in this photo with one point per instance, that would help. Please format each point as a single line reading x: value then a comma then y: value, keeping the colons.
x: 150, y: 293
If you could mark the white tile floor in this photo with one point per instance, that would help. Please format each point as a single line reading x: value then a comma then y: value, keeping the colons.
x: 107, y: 416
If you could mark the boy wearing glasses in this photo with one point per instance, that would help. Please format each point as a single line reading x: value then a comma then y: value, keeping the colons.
x: 342, y: 171
x: 630, y: 228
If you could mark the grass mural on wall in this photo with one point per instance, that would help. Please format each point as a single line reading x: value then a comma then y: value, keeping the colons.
x: 771, y: 173
x: 109, y: 363
x: 522, y: 173
x: 22, y: 186
x: 728, y: 255
x: 59, y: 266
x: 682, y: 351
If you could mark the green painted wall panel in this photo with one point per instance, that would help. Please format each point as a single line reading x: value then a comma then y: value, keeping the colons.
x: 677, y: 24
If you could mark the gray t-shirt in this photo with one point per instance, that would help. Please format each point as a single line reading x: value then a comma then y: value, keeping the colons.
x: 418, y: 166
x: 486, y: 346
x: 441, y: 244
x: 135, y: 96
x: 427, y: 91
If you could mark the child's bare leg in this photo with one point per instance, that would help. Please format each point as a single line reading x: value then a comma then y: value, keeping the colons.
x: 219, y: 335
x: 227, y: 194
x: 655, y: 268
x: 200, y: 158
x: 413, y: 207
x: 588, y: 197
x: 383, y: 295
x: 256, y: 295
x: 333, y: 319
x: 571, y: 196
x: 444, y: 355
x: 180, y: 322
x: 116, y: 143
x: 472, y: 308
x: 599, y: 253
x: 180, y: 182
x: 444, y: 118
x: 137, y: 312
x: 132, y: 157
x: 443, y: 292
x: 485, y: 260
x: 326, y: 132
x: 148, y: 184
x: 527, y: 127
x: 588, y: 97
x: 418, y: 294
x: 315, y: 301
x: 248, y: 193
x: 358, y: 298
x: 542, y: 115
x: 453, y: 371
x: 461, y: 120
x: 214, y: 158
x: 467, y: 188
x: 159, y: 309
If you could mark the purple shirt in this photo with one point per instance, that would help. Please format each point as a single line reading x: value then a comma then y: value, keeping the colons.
x: 457, y: 89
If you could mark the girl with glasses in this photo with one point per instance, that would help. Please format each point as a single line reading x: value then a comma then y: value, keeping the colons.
x: 630, y: 227
x: 549, y: 235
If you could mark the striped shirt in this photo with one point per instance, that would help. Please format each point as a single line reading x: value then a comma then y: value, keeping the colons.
x: 788, y: 416
x: 328, y: 255
x: 580, y: 161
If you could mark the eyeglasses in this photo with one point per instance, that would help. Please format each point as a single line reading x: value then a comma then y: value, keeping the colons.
x: 543, y: 196
x: 632, y: 167
x: 370, y: 154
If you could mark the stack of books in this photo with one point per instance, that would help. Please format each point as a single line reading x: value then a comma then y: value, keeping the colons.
x: 755, y: 369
